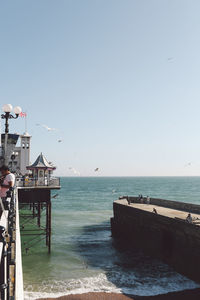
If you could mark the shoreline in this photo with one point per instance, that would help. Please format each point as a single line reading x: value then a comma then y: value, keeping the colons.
x: 193, y: 294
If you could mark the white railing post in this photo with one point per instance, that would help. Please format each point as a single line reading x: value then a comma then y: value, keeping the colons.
x: 19, y: 288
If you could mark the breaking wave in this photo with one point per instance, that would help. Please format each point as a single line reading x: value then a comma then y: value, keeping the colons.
x: 128, y: 284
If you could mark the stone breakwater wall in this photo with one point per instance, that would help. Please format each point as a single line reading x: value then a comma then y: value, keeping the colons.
x: 174, y: 241
x: 187, y: 207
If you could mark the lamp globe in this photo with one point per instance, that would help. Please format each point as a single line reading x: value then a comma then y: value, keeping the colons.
x: 7, y: 108
x: 17, y: 110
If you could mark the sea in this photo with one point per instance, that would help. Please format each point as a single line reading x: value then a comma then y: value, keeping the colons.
x: 84, y: 256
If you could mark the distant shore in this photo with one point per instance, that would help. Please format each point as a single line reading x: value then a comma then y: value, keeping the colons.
x: 183, y: 295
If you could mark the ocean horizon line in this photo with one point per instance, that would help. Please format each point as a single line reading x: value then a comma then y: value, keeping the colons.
x: 131, y: 176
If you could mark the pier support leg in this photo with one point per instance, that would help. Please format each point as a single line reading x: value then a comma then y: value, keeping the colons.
x: 49, y: 231
x: 33, y: 210
x: 39, y: 214
x: 47, y: 223
x: 37, y: 201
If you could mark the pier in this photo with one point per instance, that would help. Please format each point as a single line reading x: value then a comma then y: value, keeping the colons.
x: 34, y: 194
x: 25, y: 210
x: 35, y: 212
x: 160, y: 229
x: 29, y: 203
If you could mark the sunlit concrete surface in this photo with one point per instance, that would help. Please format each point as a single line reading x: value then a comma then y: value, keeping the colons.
x: 164, y: 211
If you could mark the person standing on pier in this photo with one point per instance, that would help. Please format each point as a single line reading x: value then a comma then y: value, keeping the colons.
x: 7, y: 180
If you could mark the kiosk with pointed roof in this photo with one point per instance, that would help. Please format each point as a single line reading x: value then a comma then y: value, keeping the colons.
x: 35, y: 195
x: 42, y: 169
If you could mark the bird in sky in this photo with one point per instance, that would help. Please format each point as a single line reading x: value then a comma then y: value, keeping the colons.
x: 46, y: 127
x: 54, y: 196
x: 96, y: 170
x: 76, y: 172
x: 188, y: 164
x: 59, y: 141
x: 170, y: 59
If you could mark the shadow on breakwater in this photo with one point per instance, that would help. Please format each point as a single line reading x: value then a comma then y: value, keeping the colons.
x: 128, y: 269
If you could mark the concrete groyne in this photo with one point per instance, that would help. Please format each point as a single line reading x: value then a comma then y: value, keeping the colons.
x: 164, y: 234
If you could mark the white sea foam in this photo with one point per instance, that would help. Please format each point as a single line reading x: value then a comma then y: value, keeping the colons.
x: 74, y: 286
x: 100, y: 283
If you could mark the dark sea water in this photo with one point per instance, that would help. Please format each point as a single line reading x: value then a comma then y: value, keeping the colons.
x: 84, y: 257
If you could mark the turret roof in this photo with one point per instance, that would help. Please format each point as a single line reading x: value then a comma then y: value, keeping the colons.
x: 41, y: 162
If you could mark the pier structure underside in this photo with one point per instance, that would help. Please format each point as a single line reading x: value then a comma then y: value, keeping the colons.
x: 35, y: 217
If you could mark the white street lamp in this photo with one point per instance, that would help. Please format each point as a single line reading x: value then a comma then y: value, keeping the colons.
x: 7, y: 108
x: 17, y: 110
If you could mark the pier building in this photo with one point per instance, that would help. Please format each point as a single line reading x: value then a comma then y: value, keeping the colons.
x: 42, y: 170
x: 18, y: 157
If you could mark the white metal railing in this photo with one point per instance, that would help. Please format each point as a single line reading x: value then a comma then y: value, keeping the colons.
x: 3, y: 258
x: 4, y: 223
x: 31, y: 182
x: 11, y: 279
x: 19, y: 289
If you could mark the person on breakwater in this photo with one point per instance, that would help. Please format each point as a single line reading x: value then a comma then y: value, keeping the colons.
x: 7, y: 180
x: 189, y: 218
x: 148, y: 200
x: 141, y: 199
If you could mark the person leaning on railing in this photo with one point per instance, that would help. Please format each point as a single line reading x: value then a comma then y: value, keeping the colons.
x: 7, y: 180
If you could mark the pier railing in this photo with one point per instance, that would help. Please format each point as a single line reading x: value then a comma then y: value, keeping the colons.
x: 11, y: 279
x: 3, y: 257
x: 37, y: 182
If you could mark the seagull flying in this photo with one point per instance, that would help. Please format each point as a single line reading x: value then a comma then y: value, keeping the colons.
x: 46, y: 127
x: 76, y: 172
x: 188, y: 164
x: 96, y: 170
x: 170, y: 59
x: 54, y: 196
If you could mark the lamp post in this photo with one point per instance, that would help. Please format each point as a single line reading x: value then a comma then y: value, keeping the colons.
x: 7, y: 109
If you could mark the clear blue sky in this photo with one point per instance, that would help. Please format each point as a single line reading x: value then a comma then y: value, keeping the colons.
x: 119, y: 79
